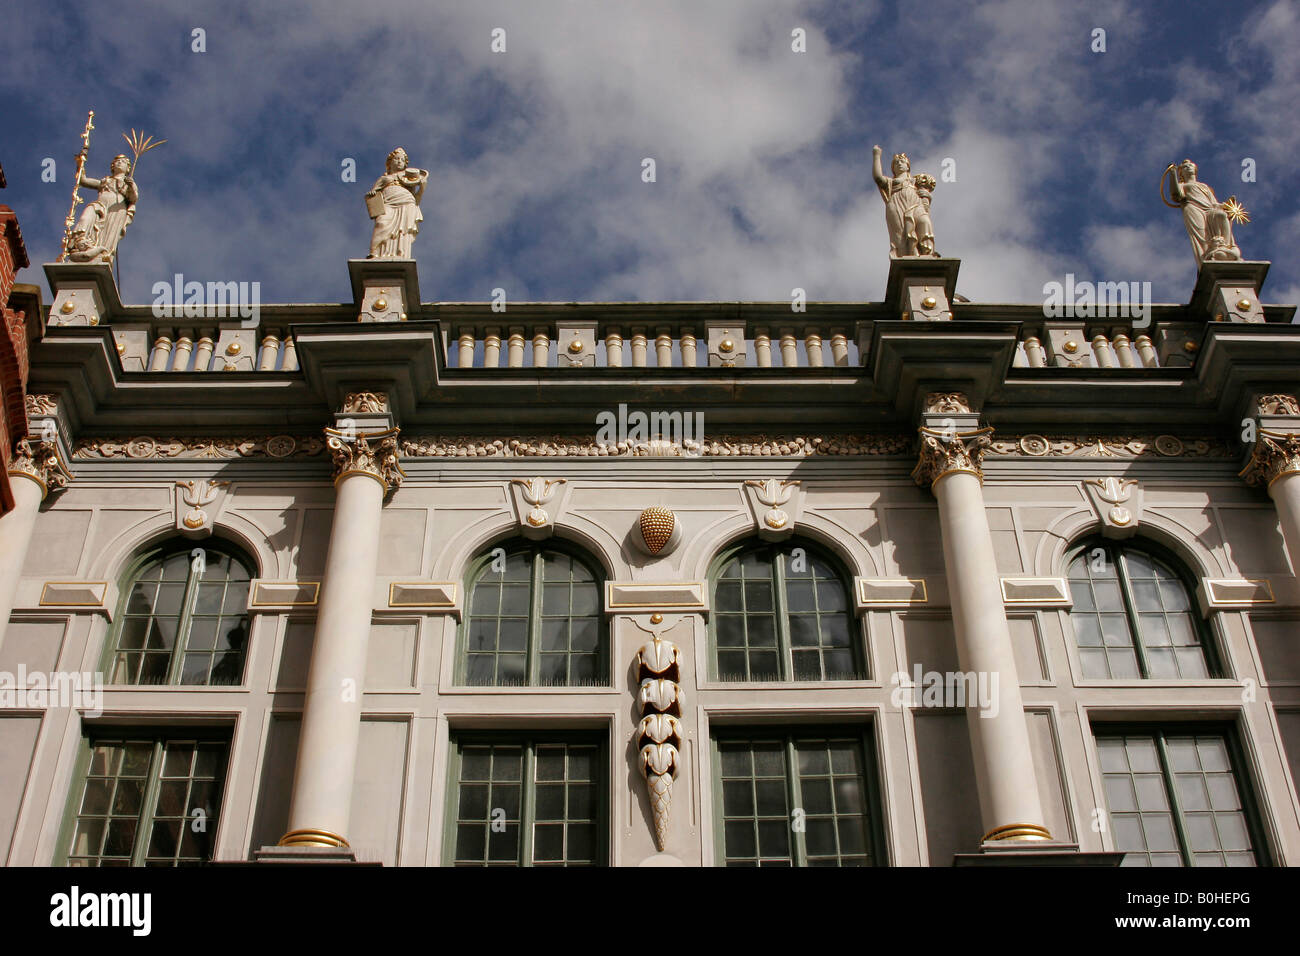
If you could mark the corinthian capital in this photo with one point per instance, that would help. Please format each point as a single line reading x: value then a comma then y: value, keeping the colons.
x: 944, y: 451
x: 374, y: 454
x: 1275, y: 454
x: 40, y: 461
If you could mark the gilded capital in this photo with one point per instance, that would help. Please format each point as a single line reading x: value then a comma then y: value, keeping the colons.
x: 369, y: 453
x: 40, y: 461
x: 1275, y: 455
x: 944, y: 451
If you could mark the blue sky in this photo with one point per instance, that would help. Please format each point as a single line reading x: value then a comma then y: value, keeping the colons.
x: 763, y: 154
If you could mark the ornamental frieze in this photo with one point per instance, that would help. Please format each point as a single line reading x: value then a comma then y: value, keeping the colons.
x: 144, y: 447
x: 1100, y: 446
x: 559, y: 447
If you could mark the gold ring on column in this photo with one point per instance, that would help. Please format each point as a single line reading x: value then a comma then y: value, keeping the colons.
x: 310, y: 837
x: 1017, y: 831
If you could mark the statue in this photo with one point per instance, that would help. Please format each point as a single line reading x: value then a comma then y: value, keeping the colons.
x: 907, y: 206
x: 394, y: 205
x: 95, y: 235
x: 104, y: 221
x: 1208, y: 221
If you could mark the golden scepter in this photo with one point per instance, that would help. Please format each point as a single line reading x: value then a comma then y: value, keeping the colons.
x: 76, y: 182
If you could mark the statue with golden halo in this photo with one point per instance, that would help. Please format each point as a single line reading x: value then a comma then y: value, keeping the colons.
x: 907, y: 206
x: 1208, y: 221
x: 394, y: 205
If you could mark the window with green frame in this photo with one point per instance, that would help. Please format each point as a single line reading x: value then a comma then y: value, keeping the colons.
x: 1177, y: 796
x: 782, y: 612
x: 183, y: 618
x: 533, y: 619
x: 146, y: 799
x: 1133, y: 615
x: 796, y: 798
x: 527, y: 800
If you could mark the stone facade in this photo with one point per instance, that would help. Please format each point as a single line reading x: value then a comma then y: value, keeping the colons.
x: 945, y: 472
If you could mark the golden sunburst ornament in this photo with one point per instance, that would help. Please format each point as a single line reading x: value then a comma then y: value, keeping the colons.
x: 1235, y: 210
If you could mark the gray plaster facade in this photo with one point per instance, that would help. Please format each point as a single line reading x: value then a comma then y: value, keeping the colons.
x: 1177, y: 407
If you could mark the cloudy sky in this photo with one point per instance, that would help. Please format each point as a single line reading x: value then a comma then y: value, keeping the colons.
x: 763, y: 154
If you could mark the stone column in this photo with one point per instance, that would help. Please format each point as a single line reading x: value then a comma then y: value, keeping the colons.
x: 1010, y: 807
x: 366, y: 468
x: 1275, y: 464
x: 34, y: 470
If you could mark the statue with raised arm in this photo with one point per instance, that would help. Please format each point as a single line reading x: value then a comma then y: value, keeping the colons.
x: 907, y: 206
x: 103, y: 222
x: 1208, y: 221
x: 394, y: 205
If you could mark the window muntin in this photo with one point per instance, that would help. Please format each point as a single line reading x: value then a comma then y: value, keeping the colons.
x: 527, y: 801
x: 781, y: 612
x: 1176, y: 798
x: 821, y: 814
x: 138, y: 801
x: 534, y: 619
x: 183, y: 620
x: 1133, y: 616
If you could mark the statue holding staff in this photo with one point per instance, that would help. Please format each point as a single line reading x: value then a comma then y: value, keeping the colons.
x: 103, y: 222
x: 394, y: 205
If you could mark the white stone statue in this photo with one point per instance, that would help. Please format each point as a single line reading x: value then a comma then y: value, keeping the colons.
x: 1208, y: 221
x: 907, y: 206
x: 104, y: 221
x: 394, y: 205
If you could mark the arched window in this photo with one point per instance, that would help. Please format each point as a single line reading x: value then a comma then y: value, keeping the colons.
x: 1133, y: 614
x: 183, y: 618
x: 533, y: 618
x: 781, y: 612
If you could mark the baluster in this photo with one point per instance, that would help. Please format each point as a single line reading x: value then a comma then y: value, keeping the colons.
x: 162, y: 350
x: 1123, y: 350
x: 613, y: 349
x: 203, y: 354
x: 492, y: 348
x: 688, y: 348
x: 813, y: 346
x: 181, y: 354
x: 1035, y: 353
x: 763, y: 348
x: 269, y: 354
x: 515, y: 347
x: 465, y: 359
x: 1101, y: 352
x: 664, y: 348
x: 541, y: 348
x: 1146, y: 351
x: 839, y: 348
x: 789, y: 350
x: 290, y: 363
x: 638, y: 348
